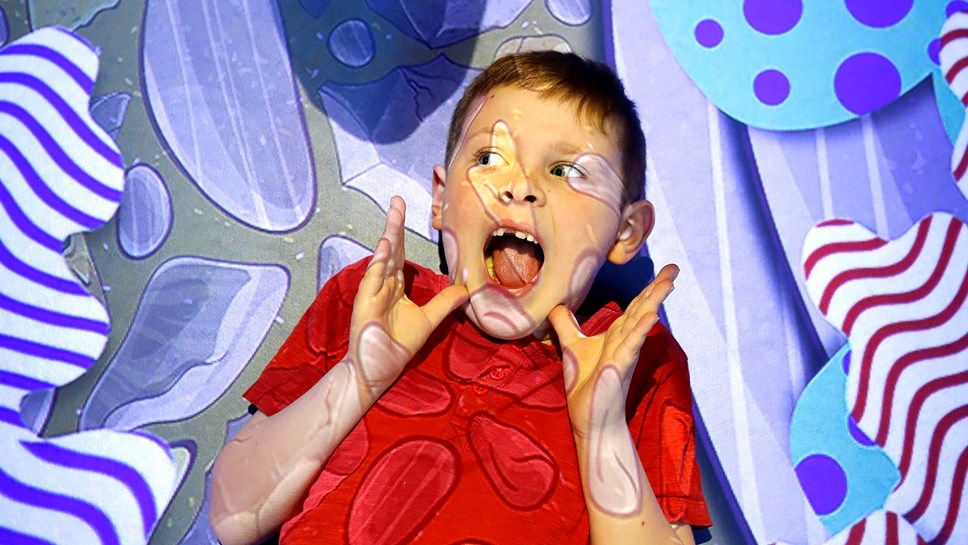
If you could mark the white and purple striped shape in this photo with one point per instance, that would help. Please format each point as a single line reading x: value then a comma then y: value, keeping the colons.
x: 902, y: 304
x: 953, y: 58
x: 60, y: 174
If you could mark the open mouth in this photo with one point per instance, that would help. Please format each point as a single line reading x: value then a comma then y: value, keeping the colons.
x: 513, y: 258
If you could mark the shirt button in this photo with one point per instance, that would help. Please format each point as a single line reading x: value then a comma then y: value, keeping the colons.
x: 479, y: 388
x: 498, y: 373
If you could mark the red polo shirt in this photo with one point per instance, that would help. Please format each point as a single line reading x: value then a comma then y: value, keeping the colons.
x: 473, y: 443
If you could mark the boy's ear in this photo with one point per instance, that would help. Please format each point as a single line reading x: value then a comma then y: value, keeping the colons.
x: 634, y: 227
x: 440, y: 176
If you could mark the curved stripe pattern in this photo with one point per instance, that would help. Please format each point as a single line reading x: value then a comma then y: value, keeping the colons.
x: 60, y: 173
x: 904, y: 306
x: 953, y: 59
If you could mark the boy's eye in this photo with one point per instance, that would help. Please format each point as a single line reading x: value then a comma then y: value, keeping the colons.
x: 490, y: 159
x: 566, y: 171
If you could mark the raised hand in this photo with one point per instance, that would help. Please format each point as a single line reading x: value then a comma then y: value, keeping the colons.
x: 387, y: 328
x: 597, y: 371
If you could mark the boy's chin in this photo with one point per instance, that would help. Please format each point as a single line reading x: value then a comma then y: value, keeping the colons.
x: 501, y: 318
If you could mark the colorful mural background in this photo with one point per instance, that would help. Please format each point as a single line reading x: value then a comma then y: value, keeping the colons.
x: 261, y: 141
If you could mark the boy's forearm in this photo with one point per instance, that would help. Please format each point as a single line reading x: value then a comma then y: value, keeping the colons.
x: 622, y: 508
x: 263, y: 473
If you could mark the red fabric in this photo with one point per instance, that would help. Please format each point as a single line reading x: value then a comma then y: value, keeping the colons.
x: 473, y: 444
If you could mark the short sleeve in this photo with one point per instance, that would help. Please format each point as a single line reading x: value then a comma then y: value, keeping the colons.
x: 662, y: 427
x: 317, y: 343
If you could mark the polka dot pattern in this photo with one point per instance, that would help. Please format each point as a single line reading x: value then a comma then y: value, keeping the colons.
x: 750, y: 62
x: 773, y: 16
x: 843, y: 474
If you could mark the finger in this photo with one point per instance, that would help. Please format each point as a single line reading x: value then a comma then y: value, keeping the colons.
x: 650, y: 299
x: 393, y: 232
x: 444, y: 303
x: 670, y: 272
x: 373, y: 278
x: 565, y: 325
x: 628, y: 350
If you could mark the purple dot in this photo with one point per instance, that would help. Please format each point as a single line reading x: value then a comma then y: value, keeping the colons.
x: 857, y: 433
x: 771, y: 87
x: 823, y: 481
x: 847, y: 363
x: 772, y: 16
x: 879, y: 13
x: 709, y: 33
x: 865, y: 82
x: 934, y: 49
x: 955, y: 7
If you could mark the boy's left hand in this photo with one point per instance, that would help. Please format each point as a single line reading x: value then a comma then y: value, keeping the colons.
x: 597, y: 369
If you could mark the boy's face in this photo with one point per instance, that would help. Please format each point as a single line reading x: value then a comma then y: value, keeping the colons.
x: 529, y: 209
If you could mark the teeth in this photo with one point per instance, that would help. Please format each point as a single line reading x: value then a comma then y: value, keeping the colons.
x: 519, y: 234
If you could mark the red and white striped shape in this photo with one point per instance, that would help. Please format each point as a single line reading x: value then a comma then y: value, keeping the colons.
x: 953, y: 58
x: 902, y: 304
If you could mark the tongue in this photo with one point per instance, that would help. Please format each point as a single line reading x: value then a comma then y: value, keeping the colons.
x: 515, y: 262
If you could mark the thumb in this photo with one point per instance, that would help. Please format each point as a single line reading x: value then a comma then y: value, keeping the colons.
x: 444, y: 303
x: 565, y: 325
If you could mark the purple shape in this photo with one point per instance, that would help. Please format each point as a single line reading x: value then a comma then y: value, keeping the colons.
x: 4, y: 29
x: 955, y: 7
x: 352, y: 43
x: 823, y: 481
x: 879, y: 13
x: 709, y: 33
x: 934, y: 49
x: 846, y: 363
x: 857, y: 433
x: 771, y: 87
x: 445, y: 22
x: 570, y: 12
x: 227, y: 106
x: 145, y: 215
x: 866, y: 81
x: 108, y: 111
x: 773, y: 16
x: 335, y: 253
x: 315, y: 7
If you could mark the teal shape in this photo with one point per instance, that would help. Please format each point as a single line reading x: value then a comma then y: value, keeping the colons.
x: 808, y: 55
x: 820, y: 426
x: 951, y: 110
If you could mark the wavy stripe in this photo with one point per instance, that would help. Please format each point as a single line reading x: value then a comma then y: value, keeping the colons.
x: 840, y: 247
x: 891, y: 534
x: 25, y: 225
x: 856, y: 535
x: 42, y: 190
x: 55, y: 57
x: 957, y: 494
x: 13, y: 537
x: 894, y: 329
x: 934, y: 460
x: 23, y: 382
x: 47, y: 352
x: 114, y: 469
x: 73, y: 120
x: 955, y: 69
x: 894, y: 375
x: 877, y: 272
x: 947, y: 251
x: 37, y: 276
x: 53, y: 318
x: 10, y: 416
x: 949, y: 37
x: 917, y: 403
x: 35, y: 497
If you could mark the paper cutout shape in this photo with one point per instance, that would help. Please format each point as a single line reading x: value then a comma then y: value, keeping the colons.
x: 902, y: 304
x: 60, y: 174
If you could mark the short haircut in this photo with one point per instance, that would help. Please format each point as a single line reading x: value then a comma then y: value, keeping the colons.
x: 595, y: 89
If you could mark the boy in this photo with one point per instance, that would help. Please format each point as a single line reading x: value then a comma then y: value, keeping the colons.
x: 395, y: 419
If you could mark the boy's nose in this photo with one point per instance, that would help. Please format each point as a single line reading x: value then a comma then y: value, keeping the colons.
x: 520, y: 189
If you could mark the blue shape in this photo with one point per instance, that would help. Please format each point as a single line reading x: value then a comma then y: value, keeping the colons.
x: 315, y: 7
x: 4, y: 28
x: 823, y: 481
x: 145, y: 214
x: 444, y: 22
x: 352, y: 43
x: 819, y: 429
x: 570, y: 12
x: 828, y: 30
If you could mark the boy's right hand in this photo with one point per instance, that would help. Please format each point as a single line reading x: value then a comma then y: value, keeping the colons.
x: 387, y: 328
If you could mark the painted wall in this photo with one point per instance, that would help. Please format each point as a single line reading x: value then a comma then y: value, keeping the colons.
x: 801, y: 162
